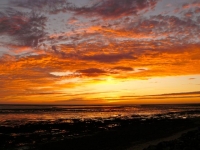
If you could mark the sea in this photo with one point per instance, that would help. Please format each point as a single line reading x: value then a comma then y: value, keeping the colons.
x: 23, y: 125
x: 15, y: 115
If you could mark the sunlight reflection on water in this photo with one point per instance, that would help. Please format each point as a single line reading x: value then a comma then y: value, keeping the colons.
x: 18, y: 115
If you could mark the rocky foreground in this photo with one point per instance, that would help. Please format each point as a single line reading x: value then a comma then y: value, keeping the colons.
x: 188, y: 141
x: 111, y: 134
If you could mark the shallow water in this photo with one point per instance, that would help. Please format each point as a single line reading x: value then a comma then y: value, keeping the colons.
x: 12, y: 115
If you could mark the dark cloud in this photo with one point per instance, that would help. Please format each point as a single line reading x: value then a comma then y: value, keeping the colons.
x: 109, y: 58
x: 27, y: 29
x: 197, y: 10
x: 111, y: 9
x: 45, y: 93
x: 179, y: 94
x: 80, y: 101
x: 172, y: 28
x: 123, y: 68
x: 52, y: 6
x: 164, y: 24
x: 192, y: 78
x: 33, y: 32
x: 141, y: 69
x: 160, y: 98
x: 182, y: 95
x: 92, y: 72
x: 11, y: 21
x: 73, y: 101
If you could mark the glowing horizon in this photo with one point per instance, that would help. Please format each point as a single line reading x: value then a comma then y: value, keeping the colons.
x: 99, y: 52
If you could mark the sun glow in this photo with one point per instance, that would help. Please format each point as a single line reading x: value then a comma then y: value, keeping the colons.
x: 89, y: 55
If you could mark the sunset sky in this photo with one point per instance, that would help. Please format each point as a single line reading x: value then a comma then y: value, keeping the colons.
x: 99, y: 51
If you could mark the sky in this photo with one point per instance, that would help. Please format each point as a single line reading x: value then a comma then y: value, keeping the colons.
x: 99, y: 52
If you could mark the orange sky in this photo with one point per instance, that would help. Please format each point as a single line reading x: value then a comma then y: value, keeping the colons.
x: 99, y: 52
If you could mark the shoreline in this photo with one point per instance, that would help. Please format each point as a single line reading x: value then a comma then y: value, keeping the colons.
x: 131, y: 134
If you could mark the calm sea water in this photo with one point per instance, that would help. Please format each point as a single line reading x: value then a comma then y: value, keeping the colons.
x: 12, y: 115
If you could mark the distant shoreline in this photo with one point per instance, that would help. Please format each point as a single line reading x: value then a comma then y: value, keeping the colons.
x: 96, y: 104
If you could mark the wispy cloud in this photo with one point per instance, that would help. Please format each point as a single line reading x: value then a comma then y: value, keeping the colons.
x: 26, y: 29
x: 51, y: 6
x: 112, y: 9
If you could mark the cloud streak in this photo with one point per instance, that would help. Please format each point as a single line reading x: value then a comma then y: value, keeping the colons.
x: 109, y: 58
x: 112, y: 9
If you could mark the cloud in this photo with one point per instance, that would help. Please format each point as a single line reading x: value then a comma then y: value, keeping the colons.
x: 189, y: 14
x: 121, y: 68
x: 27, y: 29
x: 7, y: 58
x: 191, y: 5
x: 197, y: 10
x: 81, y: 101
x: 12, y: 21
x: 109, y: 58
x: 112, y: 9
x: 161, y: 26
x: 163, y: 31
x: 19, y: 74
x: 52, y: 6
x: 180, y: 94
x: 192, y: 78
x: 184, y: 97
x: 92, y: 72
x: 72, y: 20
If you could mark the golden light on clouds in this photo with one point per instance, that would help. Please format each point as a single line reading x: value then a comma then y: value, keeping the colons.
x: 127, y: 56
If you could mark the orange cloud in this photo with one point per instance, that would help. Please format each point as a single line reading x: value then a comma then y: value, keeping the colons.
x: 22, y: 77
x: 194, y: 4
x: 115, y: 44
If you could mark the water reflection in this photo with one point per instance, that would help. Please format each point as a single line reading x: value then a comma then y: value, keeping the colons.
x: 11, y: 115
